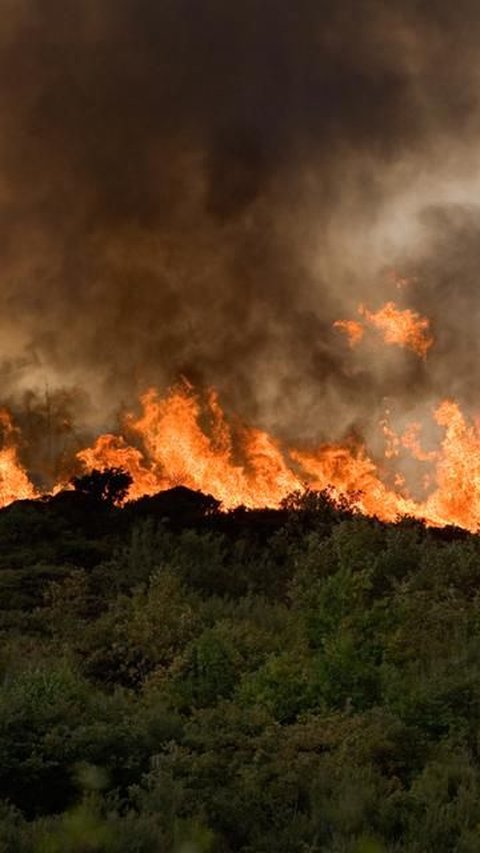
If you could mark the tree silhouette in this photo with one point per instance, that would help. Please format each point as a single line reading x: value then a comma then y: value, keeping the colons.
x: 109, y: 486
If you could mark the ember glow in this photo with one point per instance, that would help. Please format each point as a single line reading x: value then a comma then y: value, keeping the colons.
x: 401, y: 327
x: 352, y: 329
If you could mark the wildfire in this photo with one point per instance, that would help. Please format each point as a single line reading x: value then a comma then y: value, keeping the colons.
x: 177, y: 450
x: 184, y: 438
x: 112, y: 451
x: 14, y: 482
x: 401, y: 327
x: 457, y: 496
x: 177, y: 440
x: 353, y: 330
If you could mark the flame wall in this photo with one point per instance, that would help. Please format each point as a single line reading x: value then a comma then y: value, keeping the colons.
x: 203, y: 189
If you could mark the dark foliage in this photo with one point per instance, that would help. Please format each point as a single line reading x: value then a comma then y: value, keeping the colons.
x: 110, y: 486
x: 177, y: 678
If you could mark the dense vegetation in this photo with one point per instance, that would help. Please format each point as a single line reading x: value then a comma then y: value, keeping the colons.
x: 178, y: 679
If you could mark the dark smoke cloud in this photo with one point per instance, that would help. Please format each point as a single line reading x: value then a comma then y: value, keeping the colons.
x: 202, y: 188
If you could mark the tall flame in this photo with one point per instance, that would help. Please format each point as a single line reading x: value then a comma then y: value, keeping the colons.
x: 183, y: 442
x: 14, y: 481
x: 178, y: 450
x: 186, y: 439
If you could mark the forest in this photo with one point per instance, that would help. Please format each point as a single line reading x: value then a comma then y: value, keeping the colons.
x: 179, y: 679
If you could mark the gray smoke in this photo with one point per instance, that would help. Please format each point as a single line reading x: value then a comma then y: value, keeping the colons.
x: 202, y: 188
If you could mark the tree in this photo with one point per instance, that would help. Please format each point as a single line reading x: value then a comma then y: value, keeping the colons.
x: 109, y: 486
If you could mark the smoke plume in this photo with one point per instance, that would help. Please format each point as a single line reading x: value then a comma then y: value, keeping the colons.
x: 201, y: 189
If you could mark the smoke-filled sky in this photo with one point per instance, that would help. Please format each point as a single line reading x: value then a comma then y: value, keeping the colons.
x: 202, y: 188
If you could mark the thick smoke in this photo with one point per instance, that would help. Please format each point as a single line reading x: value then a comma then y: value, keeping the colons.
x: 202, y: 188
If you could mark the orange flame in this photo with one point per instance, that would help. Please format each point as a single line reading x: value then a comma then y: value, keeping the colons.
x: 254, y: 473
x: 402, y: 327
x: 178, y: 450
x: 182, y: 439
x: 185, y: 443
x: 112, y: 451
x: 14, y: 482
x: 456, y: 500
x: 353, y: 330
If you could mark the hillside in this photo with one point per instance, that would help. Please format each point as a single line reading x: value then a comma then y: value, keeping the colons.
x: 175, y: 678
